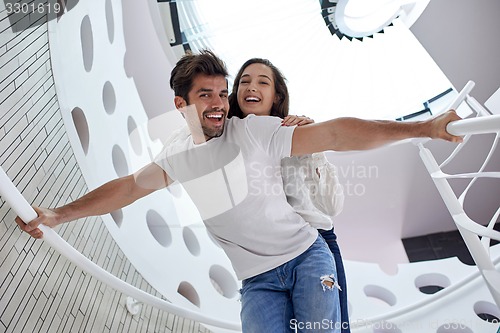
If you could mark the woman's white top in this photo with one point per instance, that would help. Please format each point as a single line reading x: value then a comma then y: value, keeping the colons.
x: 312, y: 188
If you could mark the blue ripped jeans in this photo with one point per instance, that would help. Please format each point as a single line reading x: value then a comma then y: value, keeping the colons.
x: 294, y: 297
x: 331, y: 241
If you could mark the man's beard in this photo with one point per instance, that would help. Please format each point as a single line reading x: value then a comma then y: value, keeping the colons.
x: 212, y: 133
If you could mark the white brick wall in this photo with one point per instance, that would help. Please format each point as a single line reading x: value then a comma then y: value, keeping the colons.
x: 40, y: 291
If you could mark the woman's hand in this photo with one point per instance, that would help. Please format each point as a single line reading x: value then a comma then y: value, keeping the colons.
x: 292, y: 120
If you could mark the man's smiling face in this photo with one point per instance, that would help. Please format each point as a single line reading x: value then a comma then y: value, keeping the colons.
x: 209, y: 95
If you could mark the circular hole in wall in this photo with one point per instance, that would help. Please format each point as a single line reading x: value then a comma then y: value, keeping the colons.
x: 119, y: 161
x: 134, y: 136
x: 82, y: 128
x: 487, y: 311
x: 109, y: 97
x: 117, y: 216
x: 110, y: 20
x: 191, y: 241
x: 159, y: 228
x: 385, y: 327
x: 87, y: 41
x: 453, y: 328
x: 223, y: 281
x: 429, y: 290
x: 188, y: 292
x: 380, y: 293
x: 431, y: 283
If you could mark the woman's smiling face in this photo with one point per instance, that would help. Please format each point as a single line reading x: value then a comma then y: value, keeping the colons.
x: 256, y: 93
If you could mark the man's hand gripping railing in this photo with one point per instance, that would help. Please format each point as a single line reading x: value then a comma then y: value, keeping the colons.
x: 21, y: 207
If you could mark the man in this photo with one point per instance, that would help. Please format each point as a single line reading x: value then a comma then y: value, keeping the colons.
x: 229, y: 168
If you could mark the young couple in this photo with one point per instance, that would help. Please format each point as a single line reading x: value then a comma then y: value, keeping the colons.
x: 290, y: 277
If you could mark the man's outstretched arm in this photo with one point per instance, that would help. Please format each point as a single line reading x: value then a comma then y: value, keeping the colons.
x: 109, y: 197
x: 343, y: 134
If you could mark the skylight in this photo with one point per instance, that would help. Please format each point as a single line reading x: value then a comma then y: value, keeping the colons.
x: 387, y: 76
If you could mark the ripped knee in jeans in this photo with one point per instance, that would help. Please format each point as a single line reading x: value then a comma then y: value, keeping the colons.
x: 328, y: 282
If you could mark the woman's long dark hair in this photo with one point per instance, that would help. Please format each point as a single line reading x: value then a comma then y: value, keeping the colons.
x: 279, y: 109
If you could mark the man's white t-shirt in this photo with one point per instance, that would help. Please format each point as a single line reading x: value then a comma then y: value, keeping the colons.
x: 235, y: 182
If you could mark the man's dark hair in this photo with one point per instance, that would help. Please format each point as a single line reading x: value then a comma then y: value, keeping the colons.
x: 190, y: 65
x: 279, y: 109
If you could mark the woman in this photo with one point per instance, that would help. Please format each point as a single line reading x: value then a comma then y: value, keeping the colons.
x: 310, y: 182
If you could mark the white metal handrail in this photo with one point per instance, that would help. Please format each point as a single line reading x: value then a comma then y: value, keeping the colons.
x: 466, y: 127
x: 23, y: 209
x: 476, y: 236
x: 463, y: 222
x: 479, y: 125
